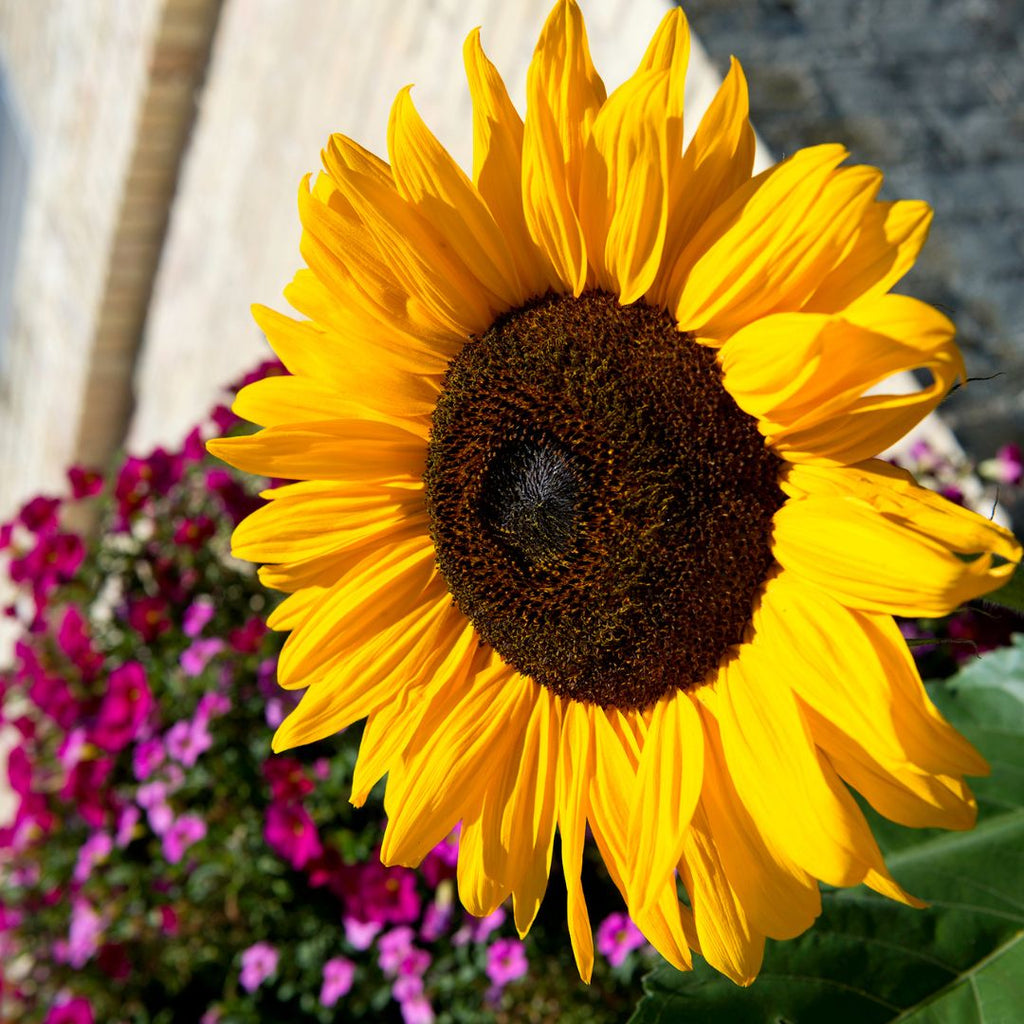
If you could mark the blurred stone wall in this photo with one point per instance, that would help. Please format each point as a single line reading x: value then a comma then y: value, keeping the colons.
x: 932, y: 92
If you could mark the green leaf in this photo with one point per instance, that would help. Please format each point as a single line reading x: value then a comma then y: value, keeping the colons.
x: 868, y: 960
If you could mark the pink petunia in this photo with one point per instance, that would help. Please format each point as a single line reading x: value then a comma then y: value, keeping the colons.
x: 72, y: 1011
x: 185, y: 741
x: 259, y: 962
x: 93, y: 851
x: 506, y: 961
x: 338, y: 976
x: 182, y: 833
x: 125, y: 708
x: 617, y: 937
x: 291, y: 833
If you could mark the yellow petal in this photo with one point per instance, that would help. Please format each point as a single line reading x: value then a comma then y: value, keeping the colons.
x: 428, y: 177
x: 389, y: 730
x: 448, y: 766
x: 564, y: 94
x: 624, y: 189
x: 666, y: 922
x: 359, y: 366
x: 853, y: 671
x: 882, y: 251
x: 481, y: 893
x: 727, y: 939
x: 779, y: 898
x: 768, y: 247
x: 346, y: 449
x: 894, y: 551
x: 497, y: 165
x: 443, y: 289
x: 716, y: 163
x: 575, y: 770
x: 668, y: 787
x: 778, y: 774
x: 803, y: 375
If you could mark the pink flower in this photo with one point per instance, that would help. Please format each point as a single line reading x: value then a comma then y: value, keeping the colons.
x: 1006, y: 468
x: 148, y: 617
x: 126, y: 706
x: 150, y: 794
x: 441, y: 862
x: 387, y: 895
x: 40, y: 514
x: 74, y: 640
x: 360, y: 934
x: 185, y: 741
x: 392, y: 948
x: 291, y: 833
x: 160, y: 818
x: 485, y: 925
x: 417, y: 1011
x: 72, y: 748
x: 84, y: 482
x: 506, y: 961
x: 288, y: 781
x: 86, y: 789
x: 93, y: 851
x: 259, y: 962
x: 212, y: 705
x: 146, y: 758
x: 197, y: 616
x: 73, y: 1011
x: 617, y: 937
x: 338, y: 975
x: 181, y: 834
x: 436, y: 919
x: 84, y: 934
x: 126, y: 822
x: 195, y: 532
x: 197, y: 655
x: 19, y: 771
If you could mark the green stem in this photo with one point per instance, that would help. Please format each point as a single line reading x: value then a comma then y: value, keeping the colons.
x: 1010, y: 594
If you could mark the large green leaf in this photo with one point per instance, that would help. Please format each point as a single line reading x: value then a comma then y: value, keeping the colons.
x: 868, y: 959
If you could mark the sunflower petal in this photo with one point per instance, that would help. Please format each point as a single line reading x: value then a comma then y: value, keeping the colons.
x: 773, y: 762
x: 497, y: 165
x: 767, y: 248
x: 575, y: 769
x: 716, y: 163
x: 428, y: 177
x: 891, y: 551
x: 564, y: 94
x: 668, y: 786
x: 442, y: 776
x: 624, y: 189
x: 727, y: 939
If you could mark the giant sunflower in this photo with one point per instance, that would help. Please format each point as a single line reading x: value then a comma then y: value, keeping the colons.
x: 587, y: 522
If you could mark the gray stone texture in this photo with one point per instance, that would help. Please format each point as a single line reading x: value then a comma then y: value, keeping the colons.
x: 932, y: 92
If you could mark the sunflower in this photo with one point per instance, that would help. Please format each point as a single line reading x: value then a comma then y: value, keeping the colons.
x: 588, y: 524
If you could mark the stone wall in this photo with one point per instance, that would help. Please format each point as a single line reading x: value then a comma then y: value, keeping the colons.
x: 930, y: 91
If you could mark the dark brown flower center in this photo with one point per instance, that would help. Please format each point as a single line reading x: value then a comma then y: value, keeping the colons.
x: 600, y: 506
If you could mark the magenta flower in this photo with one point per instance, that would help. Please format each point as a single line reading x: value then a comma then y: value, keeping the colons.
x: 74, y: 1011
x: 84, y: 934
x: 52, y: 696
x: 197, y: 616
x: 291, y: 833
x: 148, y: 617
x: 338, y: 975
x: 181, y: 834
x: 185, y: 741
x: 40, y: 514
x: 1006, y: 468
x: 194, y: 532
x: 127, y: 819
x: 86, y: 789
x: 197, y: 655
x: 146, y: 758
x: 506, y: 961
x: 288, y: 781
x: 84, y: 482
x: 72, y: 748
x: 74, y: 640
x: 417, y: 1010
x: 93, y: 851
x: 442, y: 860
x: 259, y: 962
x: 150, y: 794
x: 126, y: 706
x: 360, y: 934
x: 392, y: 948
x: 19, y: 771
x: 617, y: 937
x: 212, y: 705
x: 387, y: 895
x: 436, y: 919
